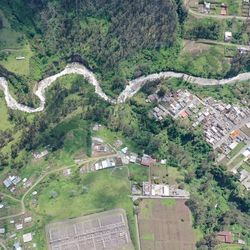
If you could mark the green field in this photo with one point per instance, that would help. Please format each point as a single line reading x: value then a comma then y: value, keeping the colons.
x: 237, y: 149
x: 236, y: 161
x: 21, y: 67
x: 11, y: 207
x: 4, y: 124
x: 228, y: 247
x: 168, y: 202
x: 68, y: 197
x: 13, y: 44
x: 138, y: 173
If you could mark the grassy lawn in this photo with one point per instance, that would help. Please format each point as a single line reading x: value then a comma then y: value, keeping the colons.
x: 237, y: 149
x: 228, y: 247
x: 67, y: 197
x: 168, y: 202
x: 236, y: 161
x: 13, y: 44
x: 10, y: 206
x: 138, y: 173
x: 159, y: 174
x: 111, y: 137
x: 4, y: 124
x: 246, y: 166
x: 21, y: 67
x: 148, y: 237
x: 174, y: 175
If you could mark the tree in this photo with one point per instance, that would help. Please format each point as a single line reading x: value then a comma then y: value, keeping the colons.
x: 1, y: 22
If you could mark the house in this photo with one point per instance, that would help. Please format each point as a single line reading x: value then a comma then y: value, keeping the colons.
x: 234, y: 134
x: 27, y: 219
x: 7, y: 183
x: 246, y: 153
x: 223, y: 10
x: 183, y: 114
x: 242, y: 242
x: 135, y: 190
x: 2, y: 230
x: 233, y: 145
x: 228, y: 36
x: 155, y: 189
x: 67, y: 172
x: 37, y: 155
x: 17, y: 246
x: 133, y: 157
x: 245, y: 178
x: 20, y: 58
x: 19, y: 226
x: 124, y: 150
x: 11, y: 180
x: 224, y: 237
x: 27, y: 237
x: 207, y: 6
x: 147, y: 160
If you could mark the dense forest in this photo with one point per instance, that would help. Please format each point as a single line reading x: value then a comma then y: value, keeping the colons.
x: 101, y: 34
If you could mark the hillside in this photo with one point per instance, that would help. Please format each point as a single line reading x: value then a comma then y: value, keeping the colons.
x: 104, y: 35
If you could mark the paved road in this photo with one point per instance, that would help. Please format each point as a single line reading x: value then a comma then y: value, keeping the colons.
x: 131, y: 89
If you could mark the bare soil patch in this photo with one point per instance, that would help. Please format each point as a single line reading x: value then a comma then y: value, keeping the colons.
x: 164, y: 226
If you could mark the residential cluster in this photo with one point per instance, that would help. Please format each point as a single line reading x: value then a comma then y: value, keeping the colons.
x: 221, y: 122
x: 19, y: 225
x: 14, y: 183
x: 226, y: 127
x: 209, y: 6
x: 11, y: 181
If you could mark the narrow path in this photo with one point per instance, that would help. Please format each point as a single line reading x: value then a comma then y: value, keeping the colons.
x: 214, y: 42
x: 137, y: 232
x: 131, y: 89
x: 9, y: 196
x: 2, y: 245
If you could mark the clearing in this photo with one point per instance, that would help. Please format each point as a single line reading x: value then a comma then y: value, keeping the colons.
x: 165, y: 224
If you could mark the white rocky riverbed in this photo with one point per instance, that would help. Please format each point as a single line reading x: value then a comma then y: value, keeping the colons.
x: 131, y: 89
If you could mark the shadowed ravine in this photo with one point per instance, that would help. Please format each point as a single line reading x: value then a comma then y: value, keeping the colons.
x: 131, y: 89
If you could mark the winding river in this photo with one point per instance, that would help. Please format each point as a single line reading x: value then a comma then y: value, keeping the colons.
x: 131, y: 89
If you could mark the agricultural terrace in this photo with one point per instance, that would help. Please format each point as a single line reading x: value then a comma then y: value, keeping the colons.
x: 165, y: 224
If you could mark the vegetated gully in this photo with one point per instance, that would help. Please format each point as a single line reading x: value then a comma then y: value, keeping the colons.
x: 131, y: 89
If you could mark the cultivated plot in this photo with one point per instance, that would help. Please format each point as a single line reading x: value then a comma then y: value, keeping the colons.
x: 165, y: 224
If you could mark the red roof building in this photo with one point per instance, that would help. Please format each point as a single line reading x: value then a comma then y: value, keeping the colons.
x: 147, y: 160
x: 225, y: 237
x: 184, y: 114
